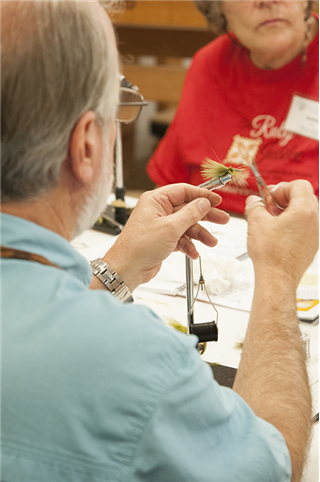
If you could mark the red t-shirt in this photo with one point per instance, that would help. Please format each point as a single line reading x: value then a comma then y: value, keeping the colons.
x: 226, y: 98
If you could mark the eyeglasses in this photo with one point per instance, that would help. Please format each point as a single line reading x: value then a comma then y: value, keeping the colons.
x: 130, y: 105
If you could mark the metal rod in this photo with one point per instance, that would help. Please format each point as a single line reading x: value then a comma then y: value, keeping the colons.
x: 214, y: 183
x: 119, y: 163
x: 189, y: 291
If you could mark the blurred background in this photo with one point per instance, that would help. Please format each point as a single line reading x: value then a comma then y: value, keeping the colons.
x: 156, y: 40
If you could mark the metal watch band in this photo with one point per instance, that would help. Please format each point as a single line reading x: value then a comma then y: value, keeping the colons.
x: 111, y: 280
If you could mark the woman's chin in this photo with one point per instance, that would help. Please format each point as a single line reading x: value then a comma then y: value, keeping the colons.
x: 274, y: 51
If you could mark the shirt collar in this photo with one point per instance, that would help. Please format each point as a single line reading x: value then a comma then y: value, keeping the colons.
x: 21, y: 234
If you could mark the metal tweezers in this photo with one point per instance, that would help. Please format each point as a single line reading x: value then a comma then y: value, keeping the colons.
x: 263, y: 189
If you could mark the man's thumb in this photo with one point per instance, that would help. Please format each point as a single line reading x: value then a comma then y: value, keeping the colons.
x: 191, y: 213
x: 203, y: 205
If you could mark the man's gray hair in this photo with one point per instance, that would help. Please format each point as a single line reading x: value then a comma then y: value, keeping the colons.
x: 56, y: 64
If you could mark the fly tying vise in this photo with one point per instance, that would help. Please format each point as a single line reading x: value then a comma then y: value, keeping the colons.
x: 217, y: 175
x: 205, y: 331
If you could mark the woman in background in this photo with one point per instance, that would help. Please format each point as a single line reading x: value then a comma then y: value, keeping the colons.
x: 237, y: 95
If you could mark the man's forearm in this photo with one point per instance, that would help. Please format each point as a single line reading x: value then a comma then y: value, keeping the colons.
x: 272, y: 376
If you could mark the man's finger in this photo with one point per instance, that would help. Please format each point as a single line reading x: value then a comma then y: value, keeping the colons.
x: 217, y: 216
x: 179, y: 194
x: 298, y: 190
x: 251, y: 203
x: 189, y: 215
x: 186, y: 246
x: 214, y: 215
x: 201, y: 234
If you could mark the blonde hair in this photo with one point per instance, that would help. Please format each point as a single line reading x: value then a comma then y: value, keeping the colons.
x: 56, y: 63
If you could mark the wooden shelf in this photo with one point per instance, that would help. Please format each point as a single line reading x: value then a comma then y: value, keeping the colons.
x: 162, y: 83
x: 181, y: 13
x: 159, y: 41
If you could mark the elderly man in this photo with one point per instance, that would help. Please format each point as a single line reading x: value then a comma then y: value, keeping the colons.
x: 73, y: 408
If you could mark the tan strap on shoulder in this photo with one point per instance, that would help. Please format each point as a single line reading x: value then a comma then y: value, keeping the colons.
x: 25, y: 255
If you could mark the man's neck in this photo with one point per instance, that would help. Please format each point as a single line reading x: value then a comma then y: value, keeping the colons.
x: 51, y: 211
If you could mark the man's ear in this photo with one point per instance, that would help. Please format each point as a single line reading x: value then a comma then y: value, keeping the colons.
x: 84, y: 148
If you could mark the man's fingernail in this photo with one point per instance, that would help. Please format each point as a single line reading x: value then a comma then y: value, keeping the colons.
x: 276, y: 187
x: 203, y: 205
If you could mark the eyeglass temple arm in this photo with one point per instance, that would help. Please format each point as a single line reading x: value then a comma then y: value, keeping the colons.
x: 142, y: 103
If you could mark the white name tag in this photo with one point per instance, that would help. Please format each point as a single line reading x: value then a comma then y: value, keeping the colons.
x: 303, y: 117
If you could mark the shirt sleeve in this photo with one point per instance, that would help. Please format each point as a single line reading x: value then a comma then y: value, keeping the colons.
x: 201, y: 431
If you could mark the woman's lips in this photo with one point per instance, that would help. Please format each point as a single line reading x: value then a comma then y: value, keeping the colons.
x: 272, y: 21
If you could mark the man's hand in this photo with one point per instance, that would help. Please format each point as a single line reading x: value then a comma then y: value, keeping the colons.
x: 272, y: 376
x: 163, y: 221
x: 284, y: 240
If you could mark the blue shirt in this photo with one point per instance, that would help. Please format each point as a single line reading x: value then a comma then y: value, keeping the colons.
x: 95, y: 390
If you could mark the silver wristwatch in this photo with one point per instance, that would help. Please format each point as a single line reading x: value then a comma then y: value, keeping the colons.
x: 111, y: 280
